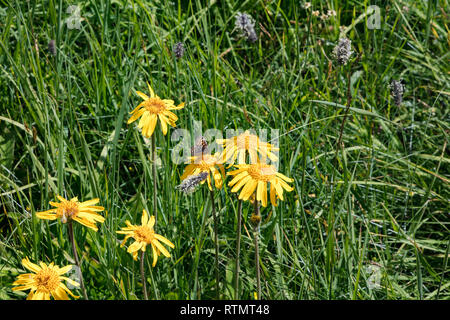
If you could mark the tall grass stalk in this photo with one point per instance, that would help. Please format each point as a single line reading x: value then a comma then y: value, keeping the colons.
x: 155, y: 185
x: 256, y: 223
x: 77, y: 260
x: 144, y: 281
x: 216, y: 243
x: 238, y: 249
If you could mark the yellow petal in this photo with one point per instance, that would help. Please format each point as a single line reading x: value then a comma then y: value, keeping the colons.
x: 282, y: 176
x: 60, y: 294
x: 248, y: 190
x: 150, y: 126
x: 241, y: 183
x: 188, y: 171
x: 172, y: 116
x: 168, y: 102
x: 152, y: 93
x: 273, y: 198
x: 164, y: 240
x: 72, y: 282
x: 238, y: 177
x: 62, y: 285
x: 264, y: 195
x: 161, y: 248
x: 89, y: 202
x: 142, y: 95
x: 134, y: 247
x: 144, y: 218
x: 65, y: 269
x: 137, y: 108
x: 151, y: 222
x: 48, y: 215
x: 260, y: 190
x: 155, y: 255
x: 22, y: 288
x: 278, y: 189
x: 30, y: 266
x: 86, y: 223
x: 163, y: 120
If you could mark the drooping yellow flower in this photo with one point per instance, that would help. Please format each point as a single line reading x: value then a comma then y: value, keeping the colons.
x: 246, y: 143
x: 255, y: 177
x: 46, y: 281
x: 212, y: 164
x: 151, y: 109
x: 144, y: 235
x: 82, y: 212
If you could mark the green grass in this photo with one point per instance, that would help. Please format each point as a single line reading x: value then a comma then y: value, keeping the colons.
x: 383, y: 201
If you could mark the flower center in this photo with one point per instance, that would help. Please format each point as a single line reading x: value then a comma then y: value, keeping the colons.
x: 205, y: 162
x: 262, y: 172
x: 47, y: 280
x: 145, y: 234
x: 155, y: 105
x: 69, y: 210
x: 247, y: 141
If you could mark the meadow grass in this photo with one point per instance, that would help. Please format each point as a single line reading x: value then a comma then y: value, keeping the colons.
x: 374, y: 209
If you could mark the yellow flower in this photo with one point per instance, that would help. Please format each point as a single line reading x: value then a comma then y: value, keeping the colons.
x: 206, y: 163
x: 256, y: 177
x: 144, y: 235
x: 151, y: 109
x: 82, y: 212
x: 46, y: 281
x: 237, y: 148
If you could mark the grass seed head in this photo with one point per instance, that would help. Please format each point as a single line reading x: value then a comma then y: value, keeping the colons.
x: 397, y: 89
x: 178, y: 50
x: 246, y: 25
x: 190, y: 183
x: 343, y: 51
x: 52, y: 47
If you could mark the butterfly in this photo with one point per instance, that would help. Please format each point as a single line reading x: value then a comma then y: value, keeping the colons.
x: 200, y: 147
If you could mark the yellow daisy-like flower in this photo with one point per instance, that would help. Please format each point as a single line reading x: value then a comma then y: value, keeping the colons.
x: 206, y: 163
x: 246, y: 143
x: 82, y: 212
x: 144, y: 235
x: 151, y: 109
x: 251, y: 177
x: 46, y: 281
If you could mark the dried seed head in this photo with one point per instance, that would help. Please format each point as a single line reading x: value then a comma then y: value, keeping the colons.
x: 252, y: 37
x: 178, y: 50
x: 52, y: 47
x: 343, y: 51
x: 397, y: 89
x: 190, y: 183
x: 246, y: 25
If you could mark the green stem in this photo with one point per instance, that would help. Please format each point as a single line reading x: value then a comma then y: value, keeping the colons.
x: 255, y: 234
x: 155, y: 205
x: 144, y: 285
x: 238, y: 250
x: 216, y: 242
x: 77, y: 261
x: 339, y: 143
